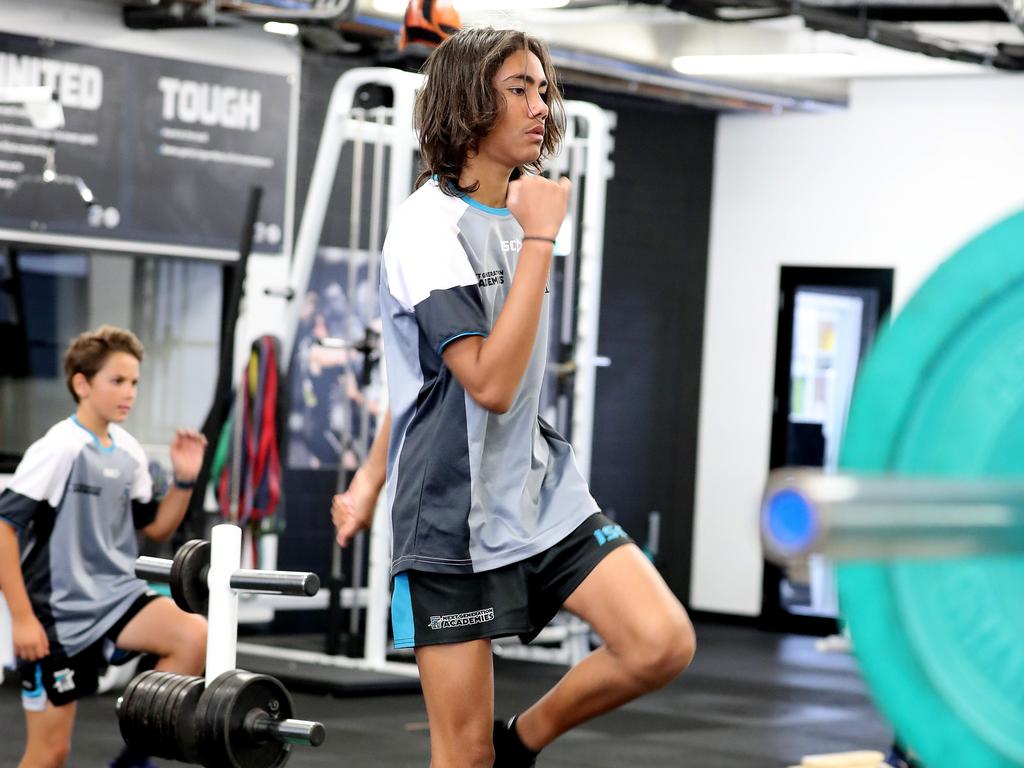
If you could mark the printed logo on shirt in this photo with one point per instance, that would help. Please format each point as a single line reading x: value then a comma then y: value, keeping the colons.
x: 111, y: 472
x: 494, y: 277
x: 462, y: 619
x: 511, y: 246
x: 91, y: 490
x: 64, y: 680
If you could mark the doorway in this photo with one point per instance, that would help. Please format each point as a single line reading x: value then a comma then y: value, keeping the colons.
x: 828, y: 319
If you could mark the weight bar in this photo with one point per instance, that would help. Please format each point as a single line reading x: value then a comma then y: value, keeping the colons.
x: 187, y: 575
x: 850, y: 517
x: 241, y: 720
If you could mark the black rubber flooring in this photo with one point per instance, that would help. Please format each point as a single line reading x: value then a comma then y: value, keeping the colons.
x: 750, y: 699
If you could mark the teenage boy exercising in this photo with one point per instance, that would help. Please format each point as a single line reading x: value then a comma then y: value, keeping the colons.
x: 68, y: 548
x: 494, y: 528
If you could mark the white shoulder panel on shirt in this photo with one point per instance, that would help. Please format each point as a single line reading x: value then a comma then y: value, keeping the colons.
x: 422, y: 252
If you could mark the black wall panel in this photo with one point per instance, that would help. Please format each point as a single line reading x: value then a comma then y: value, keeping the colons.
x: 652, y: 321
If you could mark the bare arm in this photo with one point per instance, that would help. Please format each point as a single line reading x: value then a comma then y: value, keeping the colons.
x: 352, y: 511
x: 186, y: 458
x: 491, y: 369
x: 30, y: 641
x: 169, y: 514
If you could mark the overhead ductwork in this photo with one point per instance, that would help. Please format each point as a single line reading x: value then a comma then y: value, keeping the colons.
x: 886, y: 23
x: 162, y: 14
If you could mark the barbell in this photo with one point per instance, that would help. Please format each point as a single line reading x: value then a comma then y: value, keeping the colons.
x: 927, y: 521
x: 188, y: 572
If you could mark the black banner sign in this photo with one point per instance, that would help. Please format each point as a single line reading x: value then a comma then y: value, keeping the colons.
x: 168, y: 150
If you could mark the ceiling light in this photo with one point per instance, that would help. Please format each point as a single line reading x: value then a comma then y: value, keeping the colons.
x: 791, y: 64
x: 281, y: 28
x: 872, y: 61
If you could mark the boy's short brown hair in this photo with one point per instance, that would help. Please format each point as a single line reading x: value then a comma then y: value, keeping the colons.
x: 89, y: 351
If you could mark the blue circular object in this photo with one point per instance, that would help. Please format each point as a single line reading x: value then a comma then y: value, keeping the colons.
x: 790, y: 521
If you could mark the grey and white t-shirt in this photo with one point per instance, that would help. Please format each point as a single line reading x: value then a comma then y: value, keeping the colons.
x: 75, y: 505
x: 469, y: 490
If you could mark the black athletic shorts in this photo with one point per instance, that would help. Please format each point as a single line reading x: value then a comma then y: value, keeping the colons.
x: 61, y: 679
x: 517, y: 599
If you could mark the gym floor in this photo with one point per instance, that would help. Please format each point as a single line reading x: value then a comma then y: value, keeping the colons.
x: 750, y: 700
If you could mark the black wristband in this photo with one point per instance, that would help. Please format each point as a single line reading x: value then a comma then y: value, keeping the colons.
x: 184, y: 485
x: 539, y: 237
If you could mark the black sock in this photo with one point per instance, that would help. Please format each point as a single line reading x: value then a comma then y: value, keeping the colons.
x: 130, y: 757
x: 510, y: 752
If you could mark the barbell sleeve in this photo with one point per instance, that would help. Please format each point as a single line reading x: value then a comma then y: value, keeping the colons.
x: 154, y: 569
x: 883, y: 517
x: 304, y: 732
x: 295, y: 583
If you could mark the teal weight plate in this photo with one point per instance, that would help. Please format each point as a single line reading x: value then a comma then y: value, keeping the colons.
x: 941, y: 644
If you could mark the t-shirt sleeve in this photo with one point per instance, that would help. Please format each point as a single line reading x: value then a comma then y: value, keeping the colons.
x: 38, y: 481
x: 142, y: 482
x: 144, y: 512
x: 144, y: 506
x: 430, y: 275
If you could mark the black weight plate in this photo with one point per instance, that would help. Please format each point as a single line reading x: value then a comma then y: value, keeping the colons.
x: 208, y: 747
x: 188, y: 576
x: 150, y: 711
x: 224, y: 741
x: 156, y: 732
x: 260, y: 692
x: 165, y: 736
x: 127, y: 703
x: 137, y: 709
x: 184, y: 721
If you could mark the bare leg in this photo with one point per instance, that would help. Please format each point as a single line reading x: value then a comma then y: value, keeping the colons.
x: 648, y: 641
x: 162, y: 628
x: 49, y: 736
x: 458, y: 686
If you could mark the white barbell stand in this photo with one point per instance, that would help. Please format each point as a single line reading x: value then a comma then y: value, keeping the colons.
x: 222, y: 618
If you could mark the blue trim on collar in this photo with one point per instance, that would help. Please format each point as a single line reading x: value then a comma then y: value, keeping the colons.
x: 479, y: 206
x: 485, y: 208
x: 99, y: 446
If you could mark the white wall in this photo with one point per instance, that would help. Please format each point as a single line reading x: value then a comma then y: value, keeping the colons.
x: 901, y: 179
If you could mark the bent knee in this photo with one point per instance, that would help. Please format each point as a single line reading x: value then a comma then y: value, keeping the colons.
x: 195, y: 634
x: 187, y: 643
x: 664, y: 652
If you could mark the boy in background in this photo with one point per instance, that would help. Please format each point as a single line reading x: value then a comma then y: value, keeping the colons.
x: 68, y: 548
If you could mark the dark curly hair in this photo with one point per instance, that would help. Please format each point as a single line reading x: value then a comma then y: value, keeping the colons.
x: 458, y: 105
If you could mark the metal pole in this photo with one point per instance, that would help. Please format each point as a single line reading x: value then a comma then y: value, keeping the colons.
x: 591, y: 254
x: 153, y: 569
x: 889, y: 517
x: 295, y: 583
x: 337, y: 128
x: 262, y: 727
x: 222, y: 635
